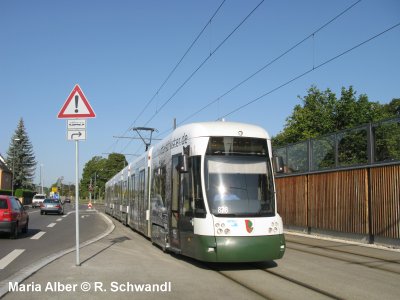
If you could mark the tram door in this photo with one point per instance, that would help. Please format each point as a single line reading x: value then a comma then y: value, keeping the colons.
x: 181, y: 234
x: 186, y: 214
x: 174, y: 230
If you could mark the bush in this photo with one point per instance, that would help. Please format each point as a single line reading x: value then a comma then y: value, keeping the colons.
x: 5, y: 192
x: 20, y: 193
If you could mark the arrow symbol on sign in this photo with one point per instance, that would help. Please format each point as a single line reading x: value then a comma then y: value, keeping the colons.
x: 78, y: 134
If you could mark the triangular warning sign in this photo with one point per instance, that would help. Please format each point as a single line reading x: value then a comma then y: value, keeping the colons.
x: 76, y: 106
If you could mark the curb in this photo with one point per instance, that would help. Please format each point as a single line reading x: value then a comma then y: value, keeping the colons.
x: 28, y: 271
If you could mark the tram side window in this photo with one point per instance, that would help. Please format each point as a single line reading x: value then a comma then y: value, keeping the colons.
x: 158, y: 187
x: 199, y: 208
x: 132, y: 188
x: 186, y: 186
x: 141, y: 186
x: 124, y: 193
x: 119, y: 185
x: 191, y: 191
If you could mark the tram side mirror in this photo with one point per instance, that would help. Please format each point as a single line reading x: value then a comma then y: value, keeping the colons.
x: 199, y: 209
x: 184, y: 163
x: 278, y: 164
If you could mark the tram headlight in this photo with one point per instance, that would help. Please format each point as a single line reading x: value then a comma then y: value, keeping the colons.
x: 227, y: 231
x: 216, y: 225
x: 219, y: 231
x: 222, y: 225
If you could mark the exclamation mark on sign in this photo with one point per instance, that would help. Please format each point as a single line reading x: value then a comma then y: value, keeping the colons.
x: 76, y: 103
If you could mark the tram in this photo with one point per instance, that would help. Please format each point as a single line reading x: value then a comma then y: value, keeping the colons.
x: 206, y: 191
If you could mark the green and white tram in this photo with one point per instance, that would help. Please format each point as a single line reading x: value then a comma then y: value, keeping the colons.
x: 206, y: 191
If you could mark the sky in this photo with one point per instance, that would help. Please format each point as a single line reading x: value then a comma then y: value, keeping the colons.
x: 122, y: 52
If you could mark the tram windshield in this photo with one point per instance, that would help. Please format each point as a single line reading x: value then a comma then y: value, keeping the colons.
x: 239, y: 186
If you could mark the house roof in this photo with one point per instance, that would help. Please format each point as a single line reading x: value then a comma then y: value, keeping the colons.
x: 3, y: 164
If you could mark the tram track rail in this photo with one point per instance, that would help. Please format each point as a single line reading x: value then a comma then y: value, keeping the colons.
x: 257, y: 267
x: 330, y: 252
x: 249, y: 277
x: 302, y: 284
x: 246, y: 286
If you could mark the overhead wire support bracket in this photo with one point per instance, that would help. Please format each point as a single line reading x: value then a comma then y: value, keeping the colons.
x: 147, y: 143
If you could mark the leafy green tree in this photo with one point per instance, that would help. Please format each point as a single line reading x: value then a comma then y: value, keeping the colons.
x: 98, y: 171
x: 311, y: 119
x: 323, y: 113
x: 92, y: 168
x: 328, y: 119
x: 392, y: 109
x: 21, y: 159
x: 114, y: 163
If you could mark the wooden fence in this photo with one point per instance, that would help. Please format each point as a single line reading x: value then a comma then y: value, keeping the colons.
x: 362, y: 201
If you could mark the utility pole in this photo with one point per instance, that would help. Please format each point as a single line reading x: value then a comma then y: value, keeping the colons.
x: 13, y: 164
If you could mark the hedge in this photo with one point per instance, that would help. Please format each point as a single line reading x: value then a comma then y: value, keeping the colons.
x: 20, y: 193
x: 6, y: 192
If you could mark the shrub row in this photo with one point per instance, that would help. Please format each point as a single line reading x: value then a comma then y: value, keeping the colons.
x: 19, y: 193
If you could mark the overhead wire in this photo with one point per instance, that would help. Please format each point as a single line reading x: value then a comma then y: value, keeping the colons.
x: 313, y: 68
x: 172, y: 71
x: 310, y: 70
x: 266, y: 65
x: 203, y: 62
x: 179, y: 62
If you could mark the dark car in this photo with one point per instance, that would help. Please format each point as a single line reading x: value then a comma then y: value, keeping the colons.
x: 13, y: 216
x: 67, y: 200
x: 51, y: 206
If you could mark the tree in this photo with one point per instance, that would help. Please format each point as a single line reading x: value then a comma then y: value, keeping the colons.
x: 114, y: 163
x: 392, y: 109
x: 98, y: 171
x: 322, y: 113
x: 93, y: 168
x: 21, y: 159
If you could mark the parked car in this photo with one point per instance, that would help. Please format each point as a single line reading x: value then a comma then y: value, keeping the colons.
x: 51, y: 206
x: 13, y: 216
x: 67, y: 200
x: 37, y: 199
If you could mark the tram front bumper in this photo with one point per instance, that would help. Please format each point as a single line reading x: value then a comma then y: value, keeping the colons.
x: 250, y: 249
x: 241, y: 248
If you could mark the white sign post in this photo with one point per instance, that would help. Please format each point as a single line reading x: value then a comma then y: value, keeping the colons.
x: 76, y: 107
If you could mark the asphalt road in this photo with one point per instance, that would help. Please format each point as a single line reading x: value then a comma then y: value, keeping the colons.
x: 47, y: 234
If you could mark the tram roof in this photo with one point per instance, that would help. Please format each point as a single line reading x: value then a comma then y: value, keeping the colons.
x: 220, y: 128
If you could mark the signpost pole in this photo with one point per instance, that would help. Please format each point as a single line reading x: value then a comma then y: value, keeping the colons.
x: 77, y: 200
x: 76, y: 107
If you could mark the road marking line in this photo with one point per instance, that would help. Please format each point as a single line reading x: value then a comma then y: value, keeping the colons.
x: 64, y: 216
x: 5, y: 261
x: 51, y: 225
x: 38, y: 235
x: 58, y: 220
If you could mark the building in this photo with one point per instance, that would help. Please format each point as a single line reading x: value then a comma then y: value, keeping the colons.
x: 5, y: 175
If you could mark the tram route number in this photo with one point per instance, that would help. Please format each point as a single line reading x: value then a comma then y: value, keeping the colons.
x: 223, y: 209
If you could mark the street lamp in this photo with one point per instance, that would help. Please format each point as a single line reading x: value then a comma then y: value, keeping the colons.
x: 13, y: 171
x: 41, y: 179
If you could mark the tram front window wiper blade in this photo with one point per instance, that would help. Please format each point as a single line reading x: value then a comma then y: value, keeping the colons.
x: 226, y: 215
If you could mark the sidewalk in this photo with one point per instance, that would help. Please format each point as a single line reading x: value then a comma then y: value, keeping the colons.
x: 119, y: 265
